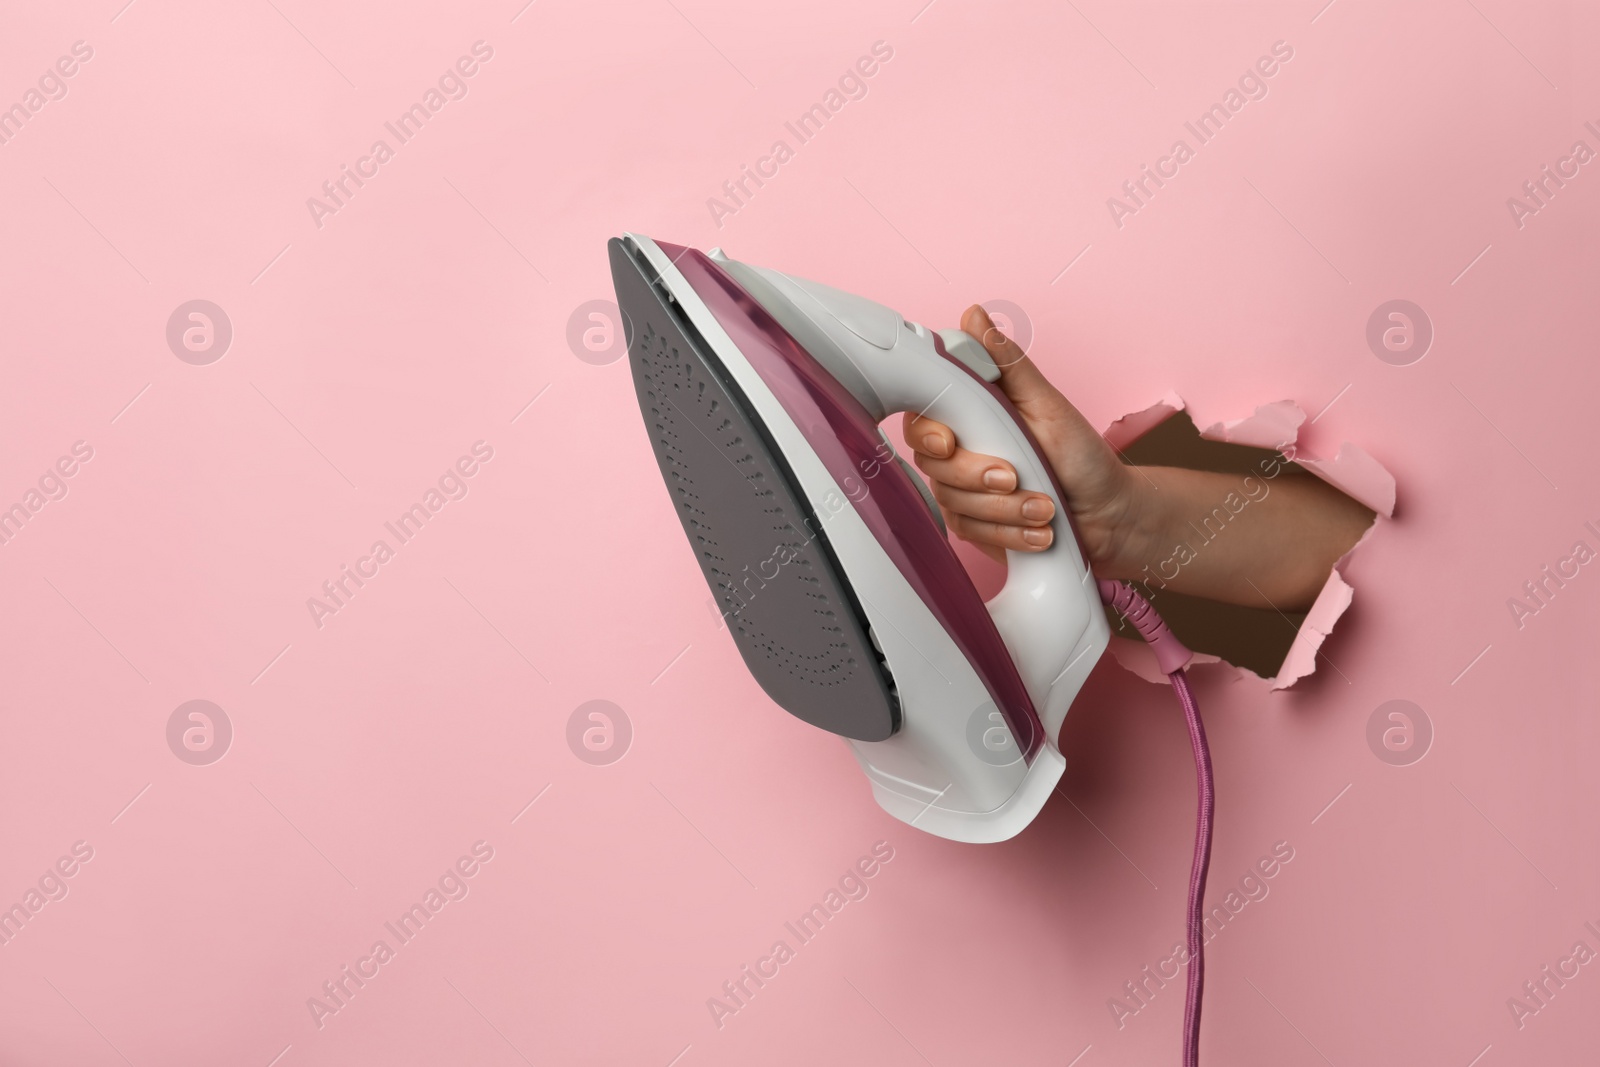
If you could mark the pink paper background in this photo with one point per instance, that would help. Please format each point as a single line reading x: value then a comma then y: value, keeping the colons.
x: 369, y: 754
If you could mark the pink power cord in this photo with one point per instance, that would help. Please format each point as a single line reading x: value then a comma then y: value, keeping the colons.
x: 1173, y: 657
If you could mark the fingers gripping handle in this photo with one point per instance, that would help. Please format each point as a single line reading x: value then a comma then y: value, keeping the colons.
x: 1049, y: 602
x: 1170, y: 653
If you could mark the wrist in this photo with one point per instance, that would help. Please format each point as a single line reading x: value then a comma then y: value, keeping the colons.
x: 1133, y: 527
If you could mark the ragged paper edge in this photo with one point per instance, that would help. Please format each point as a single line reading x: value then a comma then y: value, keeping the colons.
x: 1352, y: 471
x: 1130, y: 428
x: 1277, y: 426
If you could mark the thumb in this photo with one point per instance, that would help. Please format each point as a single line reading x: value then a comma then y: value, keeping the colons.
x: 1021, y: 380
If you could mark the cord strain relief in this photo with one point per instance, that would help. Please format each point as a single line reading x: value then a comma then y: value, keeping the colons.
x: 1171, y: 654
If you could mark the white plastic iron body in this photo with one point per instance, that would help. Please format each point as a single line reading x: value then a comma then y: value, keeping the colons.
x: 951, y: 768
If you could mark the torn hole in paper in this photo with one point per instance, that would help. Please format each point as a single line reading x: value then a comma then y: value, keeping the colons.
x: 1280, y: 647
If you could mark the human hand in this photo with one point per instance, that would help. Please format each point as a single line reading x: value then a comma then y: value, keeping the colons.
x: 1157, y: 525
x: 978, y: 493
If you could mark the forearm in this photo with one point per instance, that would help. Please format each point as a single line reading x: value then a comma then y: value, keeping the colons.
x: 1242, y: 539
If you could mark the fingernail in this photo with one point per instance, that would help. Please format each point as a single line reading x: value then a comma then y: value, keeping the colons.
x: 1037, y: 537
x: 934, y: 444
x: 1037, y: 508
x: 999, y: 478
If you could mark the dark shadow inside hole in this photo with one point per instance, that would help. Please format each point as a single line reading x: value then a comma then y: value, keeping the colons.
x: 1254, y: 638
